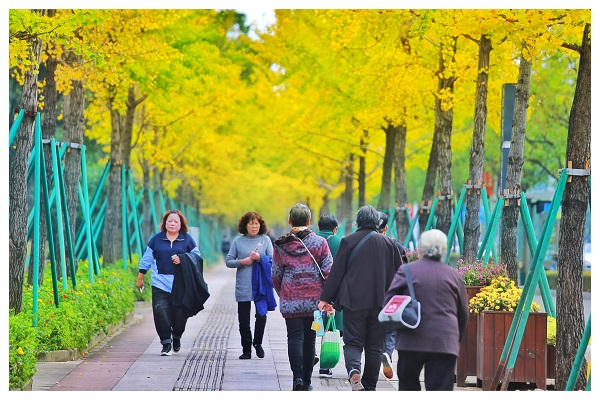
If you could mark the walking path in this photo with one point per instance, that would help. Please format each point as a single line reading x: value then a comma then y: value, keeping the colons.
x: 130, y: 360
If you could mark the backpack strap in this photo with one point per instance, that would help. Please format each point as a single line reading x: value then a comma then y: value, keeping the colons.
x: 360, y: 244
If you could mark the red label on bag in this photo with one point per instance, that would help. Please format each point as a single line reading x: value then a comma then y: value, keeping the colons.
x: 396, y: 303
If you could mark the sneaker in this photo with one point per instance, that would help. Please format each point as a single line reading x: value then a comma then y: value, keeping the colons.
x: 388, y: 371
x: 354, y: 378
x: 260, y: 352
x: 325, y: 372
x: 245, y: 356
x: 176, y: 345
x: 166, y: 350
x: 298, y: 384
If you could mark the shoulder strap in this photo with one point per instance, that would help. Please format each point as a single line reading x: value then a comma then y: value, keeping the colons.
x: 311, y: 256
x: 360, y: 244
x: 409, y: 281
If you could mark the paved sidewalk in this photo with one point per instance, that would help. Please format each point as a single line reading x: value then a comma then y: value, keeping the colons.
x: 130, y: 360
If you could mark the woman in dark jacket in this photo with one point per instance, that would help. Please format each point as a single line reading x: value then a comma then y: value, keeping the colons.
x: 444, y: 316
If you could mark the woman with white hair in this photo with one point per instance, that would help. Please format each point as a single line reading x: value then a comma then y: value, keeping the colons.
x: 444, y: 315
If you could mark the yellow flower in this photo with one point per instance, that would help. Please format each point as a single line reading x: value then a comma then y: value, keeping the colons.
x: 20, y: 351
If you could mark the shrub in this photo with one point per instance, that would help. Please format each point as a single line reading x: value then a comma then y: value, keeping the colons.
x: 476, y: 273
x: 500, y: 295
x: 82, y: 312
x: 22, y: 350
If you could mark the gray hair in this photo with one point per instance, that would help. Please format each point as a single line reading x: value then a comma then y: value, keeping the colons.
x: 433, y: 244
x: 368, y: 217
x: 299, y: 215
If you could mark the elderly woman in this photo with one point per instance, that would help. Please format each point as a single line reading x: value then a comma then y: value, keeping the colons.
x: 244, y: 250
x: 301, y: 264
x: 444, y: 315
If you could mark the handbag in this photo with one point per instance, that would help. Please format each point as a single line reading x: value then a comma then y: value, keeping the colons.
x: 402, y: 311
x: 330, y: 345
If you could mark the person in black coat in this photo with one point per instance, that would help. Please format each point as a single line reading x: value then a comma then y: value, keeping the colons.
x: 357, y: 285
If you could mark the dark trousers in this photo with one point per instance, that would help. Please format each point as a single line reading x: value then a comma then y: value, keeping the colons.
x: 439, y: 370
x: 301, y: 347
x: 362, y: 331
x: 244, y: 308
x: 168, y: 320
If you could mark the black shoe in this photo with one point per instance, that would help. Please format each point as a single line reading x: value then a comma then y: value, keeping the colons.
x: 245, y: 356
x: 315, y: 361
x: 308, y: 388
x: 166, y: 350
x: 260, y: 352
x: 176, y: 345
x: 298, y: 385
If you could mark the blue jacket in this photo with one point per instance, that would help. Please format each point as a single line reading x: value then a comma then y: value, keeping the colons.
x: 262, y: 285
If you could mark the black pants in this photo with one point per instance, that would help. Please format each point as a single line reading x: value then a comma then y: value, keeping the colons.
x: 244, y: 308
x: 362, y: 331
x: 301, y: 347
x: 168, y: 320
x: 439, y: 370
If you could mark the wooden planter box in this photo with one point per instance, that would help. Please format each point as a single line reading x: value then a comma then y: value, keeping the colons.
x: 551, y: 356
x: 531, y: 363
x: 467, y: 352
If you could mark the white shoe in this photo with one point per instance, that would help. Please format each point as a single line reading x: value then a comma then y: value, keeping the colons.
x: 354, y: 378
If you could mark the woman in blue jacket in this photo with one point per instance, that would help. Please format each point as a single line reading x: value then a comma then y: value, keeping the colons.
x: 162, y: 255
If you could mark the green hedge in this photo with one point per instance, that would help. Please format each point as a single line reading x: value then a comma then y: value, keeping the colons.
x: 79, y: 317
x: 552, y: 276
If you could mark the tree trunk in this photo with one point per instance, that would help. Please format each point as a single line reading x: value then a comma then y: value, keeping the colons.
x: 111, y: 233
x: 575, y: 201
x: 388, y: 163
x: 73, y: 105
x: 147, y: 226
x: 514, y: 168
x: 48, y: 132
x: 443, y: 124
x: 362, y: 174
x: 402, y: 223
x: 347, y: 195
x: 472, y: 229
x: 429, y: 186
x: 120, y: 151
x: 18, y: 207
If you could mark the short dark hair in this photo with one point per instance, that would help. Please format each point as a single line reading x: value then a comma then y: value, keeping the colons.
x: 384, y: 221
x: 249, y: 216
x: 367, y: 217
x: 184, y: 224
x: 327, y: 222
x: 299, y: 215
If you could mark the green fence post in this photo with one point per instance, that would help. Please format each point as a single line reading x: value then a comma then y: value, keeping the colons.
x: 59, y: 216
x: 124, y: 218
x: 36, y: 219
x: 532, y: 243
x: 63, y: 197
x: 134, y: 212
x: 453, y: 225
x: 579, y: 357
x: 49, y: 230
x: 15, y: 127
x: 431, y: 214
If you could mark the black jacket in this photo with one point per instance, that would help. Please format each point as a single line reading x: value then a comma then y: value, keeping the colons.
x: 189, y: 288
x: 360, y: 284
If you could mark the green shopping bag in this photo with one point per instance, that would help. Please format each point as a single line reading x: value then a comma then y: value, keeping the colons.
x: 330, y: 346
